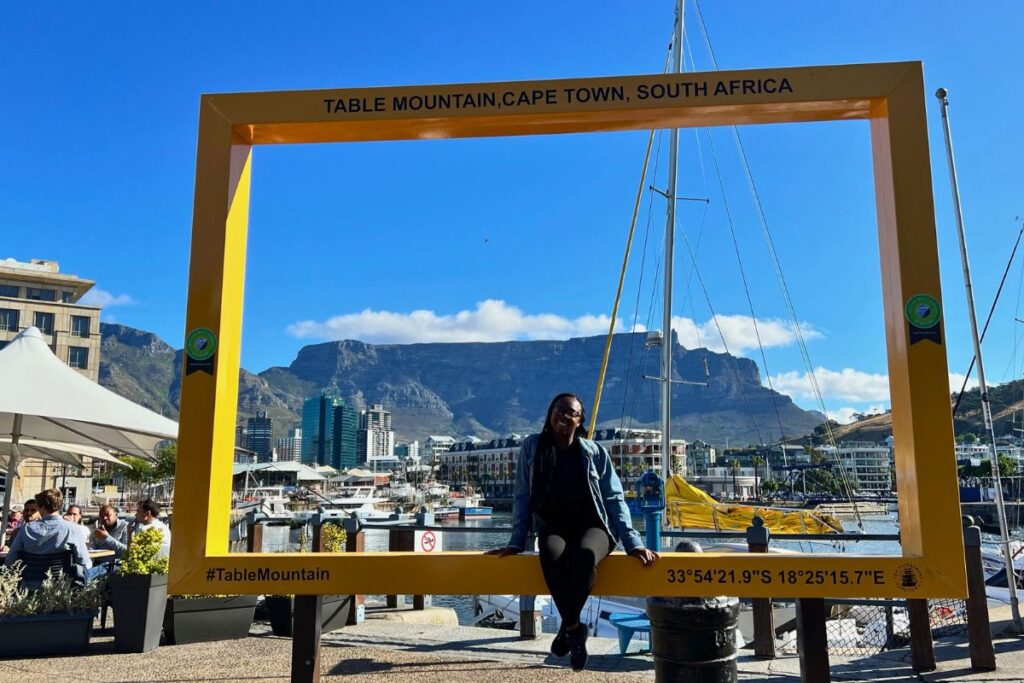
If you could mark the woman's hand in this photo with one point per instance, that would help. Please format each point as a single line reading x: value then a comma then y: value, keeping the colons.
x: 646, y: 557
x: 503, y: 552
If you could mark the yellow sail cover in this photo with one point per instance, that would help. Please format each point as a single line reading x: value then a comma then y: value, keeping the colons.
x: 687, y: 507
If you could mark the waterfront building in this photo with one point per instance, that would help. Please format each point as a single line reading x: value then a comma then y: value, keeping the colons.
x: 37, y: 294
x: 724, y: 482
x: 408, y: 453
x: 865, y: 463
x: 260, y: 436
x: 241, y: 436
x: 343, y: 448
x: 490, y: 466
x: 318, y: 427
x: 289, y: 448
x: 700, y: 455
x: 375, y: 441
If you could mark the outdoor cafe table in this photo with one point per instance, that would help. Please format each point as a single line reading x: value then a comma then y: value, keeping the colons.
x: 93, y: 554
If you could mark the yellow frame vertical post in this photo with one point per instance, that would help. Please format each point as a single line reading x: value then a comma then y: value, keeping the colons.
x: 890, y: 96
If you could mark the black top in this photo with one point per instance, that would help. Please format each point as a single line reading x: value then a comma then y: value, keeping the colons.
x: 568, y: 505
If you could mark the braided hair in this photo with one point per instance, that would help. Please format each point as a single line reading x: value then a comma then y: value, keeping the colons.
x: 544, y: 460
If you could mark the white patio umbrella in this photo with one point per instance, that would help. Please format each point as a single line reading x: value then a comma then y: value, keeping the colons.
x: 61, y: 453
x: 42, y: 399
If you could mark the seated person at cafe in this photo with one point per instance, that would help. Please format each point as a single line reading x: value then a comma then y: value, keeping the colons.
x: 30, y: 512
x: 50, y: 534
x: 111, y: 532
x: 74, y: 515
x: 146, y: 517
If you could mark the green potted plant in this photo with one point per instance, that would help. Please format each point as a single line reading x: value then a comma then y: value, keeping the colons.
x: 138, y: 593
x: 55, y: 618
x: 336, y: 608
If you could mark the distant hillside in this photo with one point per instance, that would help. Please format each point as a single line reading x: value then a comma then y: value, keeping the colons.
x: 484, y: 389
x: 1007, y: 402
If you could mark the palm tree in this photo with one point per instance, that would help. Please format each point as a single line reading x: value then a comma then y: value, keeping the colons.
x: 734, y: 467
x: 757, y: 461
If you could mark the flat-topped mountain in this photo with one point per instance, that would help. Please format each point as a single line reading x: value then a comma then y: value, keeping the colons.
x: 483, y: 389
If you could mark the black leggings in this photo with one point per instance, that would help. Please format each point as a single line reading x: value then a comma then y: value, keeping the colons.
x: 569, y: 563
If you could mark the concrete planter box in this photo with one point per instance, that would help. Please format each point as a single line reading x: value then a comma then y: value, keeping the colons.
x: 199, y: 620
x: 45, y: 634
x: 335, y: 613
x: 138, y: 603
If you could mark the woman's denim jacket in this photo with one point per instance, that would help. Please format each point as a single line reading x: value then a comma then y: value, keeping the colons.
x: 605, y: 491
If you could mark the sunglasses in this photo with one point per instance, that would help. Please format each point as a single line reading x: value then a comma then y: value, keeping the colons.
x: 568, y: 412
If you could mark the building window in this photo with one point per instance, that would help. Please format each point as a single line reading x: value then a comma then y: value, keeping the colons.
x: 3, y: 344
x: 80, y: 326
x: 9, y: 319
x: 37, y: 294
x: 9, y: 290
x: 78, y: 357
x: 44, y: 321
x: 66, y: 297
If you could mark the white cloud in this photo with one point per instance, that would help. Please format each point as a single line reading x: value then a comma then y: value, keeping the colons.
x: 845, y: 385
x: 104, y: 299
x: 956, y: 380
x: 491, y: 320
x: 739, y: 333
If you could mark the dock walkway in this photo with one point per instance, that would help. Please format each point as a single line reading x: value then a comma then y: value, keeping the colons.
x: 398, y: 652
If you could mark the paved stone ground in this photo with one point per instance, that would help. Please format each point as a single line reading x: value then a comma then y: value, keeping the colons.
x: 401, y: 652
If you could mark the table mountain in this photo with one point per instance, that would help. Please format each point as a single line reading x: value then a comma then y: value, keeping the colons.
x: 483, y: 389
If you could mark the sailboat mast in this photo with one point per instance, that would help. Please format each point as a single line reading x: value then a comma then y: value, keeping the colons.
x: 670, y: 225
x: 986, y: 408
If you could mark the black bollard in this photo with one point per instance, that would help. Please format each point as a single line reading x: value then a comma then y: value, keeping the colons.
x: 694, y: 639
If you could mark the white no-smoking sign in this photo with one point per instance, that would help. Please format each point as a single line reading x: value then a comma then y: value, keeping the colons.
x: 428, y: 541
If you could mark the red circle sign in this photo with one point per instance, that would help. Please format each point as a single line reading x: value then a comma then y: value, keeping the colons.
x: 428, y: 541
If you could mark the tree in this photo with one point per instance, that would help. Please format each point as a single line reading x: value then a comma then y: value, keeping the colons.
x: 757, y: 461
x: 734, y: 467
x: 137, y: 471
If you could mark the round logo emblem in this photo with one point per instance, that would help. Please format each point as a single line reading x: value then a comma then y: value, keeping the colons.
x: 200, y: 344
x: 922, y: 311
x: 908, y: 577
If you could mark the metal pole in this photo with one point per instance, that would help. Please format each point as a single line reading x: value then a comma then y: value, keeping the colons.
x: 12, y: 471
x: 986, y: 409
x: 670, y: 226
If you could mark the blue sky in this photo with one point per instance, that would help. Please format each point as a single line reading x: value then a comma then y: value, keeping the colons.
x: 513, y: 238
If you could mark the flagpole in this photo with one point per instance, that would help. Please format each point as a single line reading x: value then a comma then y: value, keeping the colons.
x: 986, y: 408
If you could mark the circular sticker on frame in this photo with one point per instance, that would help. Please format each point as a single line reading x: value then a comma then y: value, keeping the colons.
x: 201, y: 344
x: 922, y: 311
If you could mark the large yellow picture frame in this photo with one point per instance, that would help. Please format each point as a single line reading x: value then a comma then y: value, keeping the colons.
x: 890, y: 96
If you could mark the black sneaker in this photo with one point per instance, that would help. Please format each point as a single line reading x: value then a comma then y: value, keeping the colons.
x: 578, y: 648
x: 560, y: 645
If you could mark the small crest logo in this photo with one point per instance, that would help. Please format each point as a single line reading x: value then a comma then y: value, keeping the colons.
x: 908, y: 577
x: 200, y: 344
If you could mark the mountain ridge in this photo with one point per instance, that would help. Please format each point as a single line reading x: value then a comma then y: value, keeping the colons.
x: 485, y: 389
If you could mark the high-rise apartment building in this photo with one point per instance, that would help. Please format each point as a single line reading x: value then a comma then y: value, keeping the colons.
x: 375, y: 442
x: 37, y: 294
x: 289, y: 448
x: 260, y: 433
x: 346, y: 427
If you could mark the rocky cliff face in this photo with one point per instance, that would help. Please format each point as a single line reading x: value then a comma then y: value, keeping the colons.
x: 484, y: 389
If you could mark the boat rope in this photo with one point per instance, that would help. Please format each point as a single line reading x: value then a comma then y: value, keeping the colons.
x: 622, y: 278
x: 991, y: 310
x: 783, y: 287
x: 746, y: 286
x: 618, y: 291
x: 725, y: 344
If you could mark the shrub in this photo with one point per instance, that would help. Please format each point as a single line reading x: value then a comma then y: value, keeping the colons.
x: 142, y: 557
x: 57, y: 594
